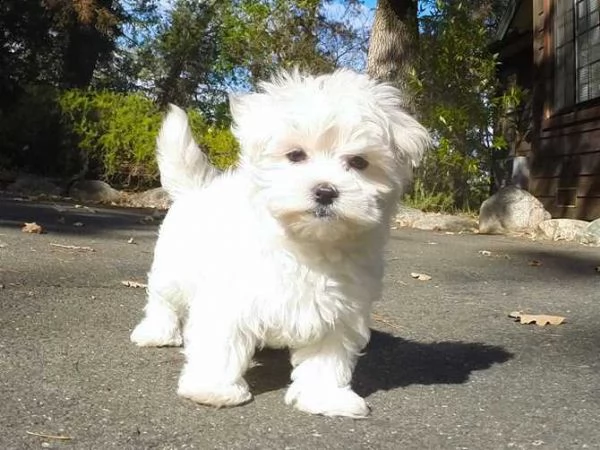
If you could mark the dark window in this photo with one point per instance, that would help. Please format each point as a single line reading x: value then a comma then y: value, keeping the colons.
x: 587, y: 31
x: 576, y: 52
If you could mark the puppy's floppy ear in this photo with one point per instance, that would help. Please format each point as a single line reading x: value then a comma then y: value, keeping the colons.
x: 408, y: 138
x: 250, y: 113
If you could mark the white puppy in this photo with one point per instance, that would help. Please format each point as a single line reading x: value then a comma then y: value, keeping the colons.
x: 285, y: 250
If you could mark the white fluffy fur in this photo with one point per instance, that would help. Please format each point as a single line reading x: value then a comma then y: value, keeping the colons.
x: 242, y: 260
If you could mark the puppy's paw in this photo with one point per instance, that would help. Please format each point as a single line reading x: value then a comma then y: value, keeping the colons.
x: 328, y: 402
x: 215, y: 394
x: 153, y: 333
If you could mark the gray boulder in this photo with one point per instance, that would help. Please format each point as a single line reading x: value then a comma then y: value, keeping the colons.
x: 562, y: 229
x: 415, y: 218
x: 153, y: 198
x: 511, y: 210
x: 34, y: 185
x: 94, y: 191
x: 406, y: 216
x: 590, y: 235
x: 445, y: 222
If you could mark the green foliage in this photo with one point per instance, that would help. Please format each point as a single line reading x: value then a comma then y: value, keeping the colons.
x: 259, y: 36
x: 456, y: 92
x: 118, y: 133
x: 218, y: 142
x: 108, y: 135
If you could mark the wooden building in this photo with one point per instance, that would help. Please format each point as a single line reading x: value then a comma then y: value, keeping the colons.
x: 552, y: 49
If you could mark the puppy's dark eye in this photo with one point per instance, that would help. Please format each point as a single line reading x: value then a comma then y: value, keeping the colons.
x: 297, y: 155
x: 358, y: 163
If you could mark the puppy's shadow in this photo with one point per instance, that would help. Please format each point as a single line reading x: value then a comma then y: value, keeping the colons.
x: 390, y: 362
x: 271, y: 371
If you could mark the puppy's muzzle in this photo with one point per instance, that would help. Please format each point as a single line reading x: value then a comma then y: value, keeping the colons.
x: 325, y: 194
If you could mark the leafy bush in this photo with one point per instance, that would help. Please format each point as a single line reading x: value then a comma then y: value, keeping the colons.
x: 118, y: 132
x: 101, y: 134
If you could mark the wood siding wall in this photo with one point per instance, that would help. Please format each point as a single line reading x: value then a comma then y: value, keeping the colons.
x: 565, y: 157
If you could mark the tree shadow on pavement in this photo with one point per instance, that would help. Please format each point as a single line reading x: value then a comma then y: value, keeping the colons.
x: 580, y: 262
x: 390, y: 362
x: 70, y: 218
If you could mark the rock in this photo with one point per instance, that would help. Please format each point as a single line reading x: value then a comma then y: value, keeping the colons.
x: 590, y: 235
x: 94, y: 191
x: 154, y: 198
x: 34, y: 185
x: 406, y: 216
x: 562, y: 229
x: 511, y: 210
x: 415, y: 218
x: 445, y: 222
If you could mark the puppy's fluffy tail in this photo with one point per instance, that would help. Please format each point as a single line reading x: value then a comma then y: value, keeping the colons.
x: 183, y: 166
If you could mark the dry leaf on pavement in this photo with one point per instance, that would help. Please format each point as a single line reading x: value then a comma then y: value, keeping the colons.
x: 420, y: 276
x: 32, y: 227
x: 133, y: 284
x: 535, y: 263
x: 484, y: 252
x: 540, y: 319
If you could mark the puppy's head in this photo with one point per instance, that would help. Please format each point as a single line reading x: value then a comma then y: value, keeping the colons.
x: 328, y: 154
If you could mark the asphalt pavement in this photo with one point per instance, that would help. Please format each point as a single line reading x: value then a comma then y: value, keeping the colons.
x: 446, y: 367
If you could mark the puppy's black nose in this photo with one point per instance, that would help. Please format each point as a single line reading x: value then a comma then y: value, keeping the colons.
x: 325, y: 193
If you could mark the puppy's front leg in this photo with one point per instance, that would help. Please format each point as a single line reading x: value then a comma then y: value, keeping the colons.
x: 217, y: 356
x: 322, y: 375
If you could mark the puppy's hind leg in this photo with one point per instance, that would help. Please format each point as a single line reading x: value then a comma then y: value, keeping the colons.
x: 161, y: 325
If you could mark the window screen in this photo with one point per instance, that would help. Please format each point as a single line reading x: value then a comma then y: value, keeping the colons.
x: 587, y: 31
x: 564, y: 54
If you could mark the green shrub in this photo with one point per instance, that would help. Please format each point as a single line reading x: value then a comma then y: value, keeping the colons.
x: 101, y: 134
x: 118, y: 132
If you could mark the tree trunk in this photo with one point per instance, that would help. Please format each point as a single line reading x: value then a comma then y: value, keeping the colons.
x: 88, y: 40
x: 393, y: 39
x: 81, y: 55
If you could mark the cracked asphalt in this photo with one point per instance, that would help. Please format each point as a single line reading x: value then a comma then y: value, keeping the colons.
x: 446, y: 368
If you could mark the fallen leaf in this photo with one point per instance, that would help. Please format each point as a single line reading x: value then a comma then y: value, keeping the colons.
x: 535, y: 263
x: 73, y: 247
x: 540, y: 319
x: 131, y: 241
x: 32, y: 227
x: 78, y: 224
x: 420, y: 276
x: 484, y: 252
x: 133, y: 284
